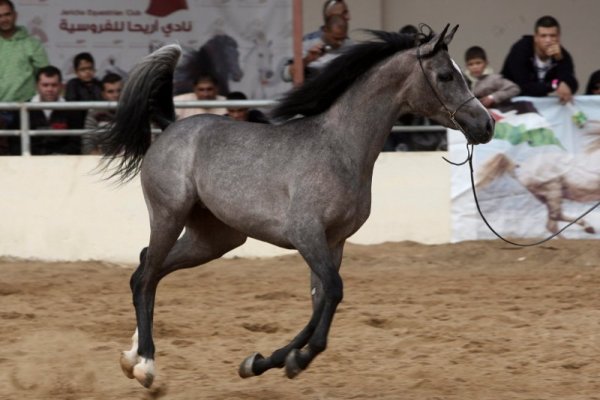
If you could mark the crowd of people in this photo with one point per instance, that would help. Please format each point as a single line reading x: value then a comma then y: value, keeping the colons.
x: 536, y: 65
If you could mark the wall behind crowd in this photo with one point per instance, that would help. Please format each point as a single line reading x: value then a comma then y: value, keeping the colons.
x: 492, y: 24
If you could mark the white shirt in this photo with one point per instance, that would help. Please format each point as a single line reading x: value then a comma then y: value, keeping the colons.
x: 38, y: 99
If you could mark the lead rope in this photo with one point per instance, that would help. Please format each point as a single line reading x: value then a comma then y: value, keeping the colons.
x: 469, y: 159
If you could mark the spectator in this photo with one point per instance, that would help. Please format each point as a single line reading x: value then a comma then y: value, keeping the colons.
x: 84, y: 87
x: 317, y: 52
x: 112, y: 84
x: 244, y: 113
x: 491, y: 89
x: 205, y: 88
x: 49, y: 87
x: 540, y: 65
x: 21, y: 56
x: 330, y: 7
x: 593, y: 86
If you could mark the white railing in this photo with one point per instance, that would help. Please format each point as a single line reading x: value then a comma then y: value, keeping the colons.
x: 25, y: 132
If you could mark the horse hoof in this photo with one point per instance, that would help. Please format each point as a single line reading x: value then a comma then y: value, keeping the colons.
x: 245, y: 369
x: 128, y: 361
x: 590, y: 229
x: 292, y: 369
x: 144, y: 372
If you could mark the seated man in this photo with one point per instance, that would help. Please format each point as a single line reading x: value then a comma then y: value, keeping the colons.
x: 49, y: 87
x: 244, y: 113
x: 205, y: 88
x: 540, y: 65
x: 112, y: 84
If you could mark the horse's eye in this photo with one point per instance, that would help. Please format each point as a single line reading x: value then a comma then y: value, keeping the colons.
x: 445, y: 76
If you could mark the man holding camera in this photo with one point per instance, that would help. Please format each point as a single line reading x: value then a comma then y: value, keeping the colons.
x: 318, y: 51
x: 540, y: 65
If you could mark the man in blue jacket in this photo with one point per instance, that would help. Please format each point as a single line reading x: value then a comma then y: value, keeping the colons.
x: 540, y: 65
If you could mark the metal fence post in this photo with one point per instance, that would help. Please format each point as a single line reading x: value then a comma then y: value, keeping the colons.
x: 25, y: 139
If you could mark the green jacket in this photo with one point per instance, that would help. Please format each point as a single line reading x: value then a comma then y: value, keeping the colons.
x: 20, y: 57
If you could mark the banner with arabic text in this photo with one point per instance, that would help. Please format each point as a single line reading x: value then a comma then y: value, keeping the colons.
x: 242, y: 41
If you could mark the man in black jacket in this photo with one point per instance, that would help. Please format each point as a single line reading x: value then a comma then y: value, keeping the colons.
x: 540, y: 65
x: 49, y: 86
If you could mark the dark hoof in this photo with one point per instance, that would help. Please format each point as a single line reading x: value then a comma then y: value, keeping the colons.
x: 292, y: 369
x: 245, y: 369
x: 590, y: 229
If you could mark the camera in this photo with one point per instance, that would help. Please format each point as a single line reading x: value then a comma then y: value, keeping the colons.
x: 327, y: 48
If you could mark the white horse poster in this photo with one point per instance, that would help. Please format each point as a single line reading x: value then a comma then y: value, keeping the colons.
x: 241, y: 41
x: 539, y: 173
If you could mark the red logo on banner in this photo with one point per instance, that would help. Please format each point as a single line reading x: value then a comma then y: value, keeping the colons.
x: 162, y: 8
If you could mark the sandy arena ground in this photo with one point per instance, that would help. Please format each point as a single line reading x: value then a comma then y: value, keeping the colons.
x: 476, y: 320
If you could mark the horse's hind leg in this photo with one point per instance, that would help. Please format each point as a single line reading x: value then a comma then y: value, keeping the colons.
x: 138, y: 362
x: 205, y: 239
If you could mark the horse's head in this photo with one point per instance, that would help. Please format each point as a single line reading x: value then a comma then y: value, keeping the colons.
x: 441, y: 93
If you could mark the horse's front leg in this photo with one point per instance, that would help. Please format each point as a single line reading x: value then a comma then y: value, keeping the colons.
x: 324, y: 263
x: 332, y: 294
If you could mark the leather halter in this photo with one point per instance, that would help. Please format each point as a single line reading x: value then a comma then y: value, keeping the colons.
x: 451, y: 114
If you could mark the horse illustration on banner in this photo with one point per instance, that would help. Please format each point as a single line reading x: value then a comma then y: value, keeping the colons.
x: 259, y: 67
x: 553, y: 176
x: 218, y: 57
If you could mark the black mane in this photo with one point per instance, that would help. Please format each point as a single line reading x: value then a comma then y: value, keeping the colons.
x: 318, y: 94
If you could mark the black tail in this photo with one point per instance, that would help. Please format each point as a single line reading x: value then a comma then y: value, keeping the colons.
x: 147, y: 97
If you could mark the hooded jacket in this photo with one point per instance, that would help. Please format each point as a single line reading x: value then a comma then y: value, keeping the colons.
x: 519, y: 67
x: 22, y: 56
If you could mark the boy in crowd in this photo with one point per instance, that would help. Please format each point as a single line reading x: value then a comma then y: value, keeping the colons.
x: 491, y: 89
x: 244, y: 113
x: 85, y: 87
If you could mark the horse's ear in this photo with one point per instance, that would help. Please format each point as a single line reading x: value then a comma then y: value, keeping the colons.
x: 435, y: 43
x: 440, y: 40
x: 449, y: 36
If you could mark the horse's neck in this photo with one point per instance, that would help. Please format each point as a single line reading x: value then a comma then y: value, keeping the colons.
x: 363, y: 117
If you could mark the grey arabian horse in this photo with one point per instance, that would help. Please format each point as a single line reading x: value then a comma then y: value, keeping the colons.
x: 303, y: 184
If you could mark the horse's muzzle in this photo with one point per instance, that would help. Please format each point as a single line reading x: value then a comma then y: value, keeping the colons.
x: 481, y: 136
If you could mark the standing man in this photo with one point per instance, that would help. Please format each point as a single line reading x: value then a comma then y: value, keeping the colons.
x: 540, y: 65
x: 21, y: 55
